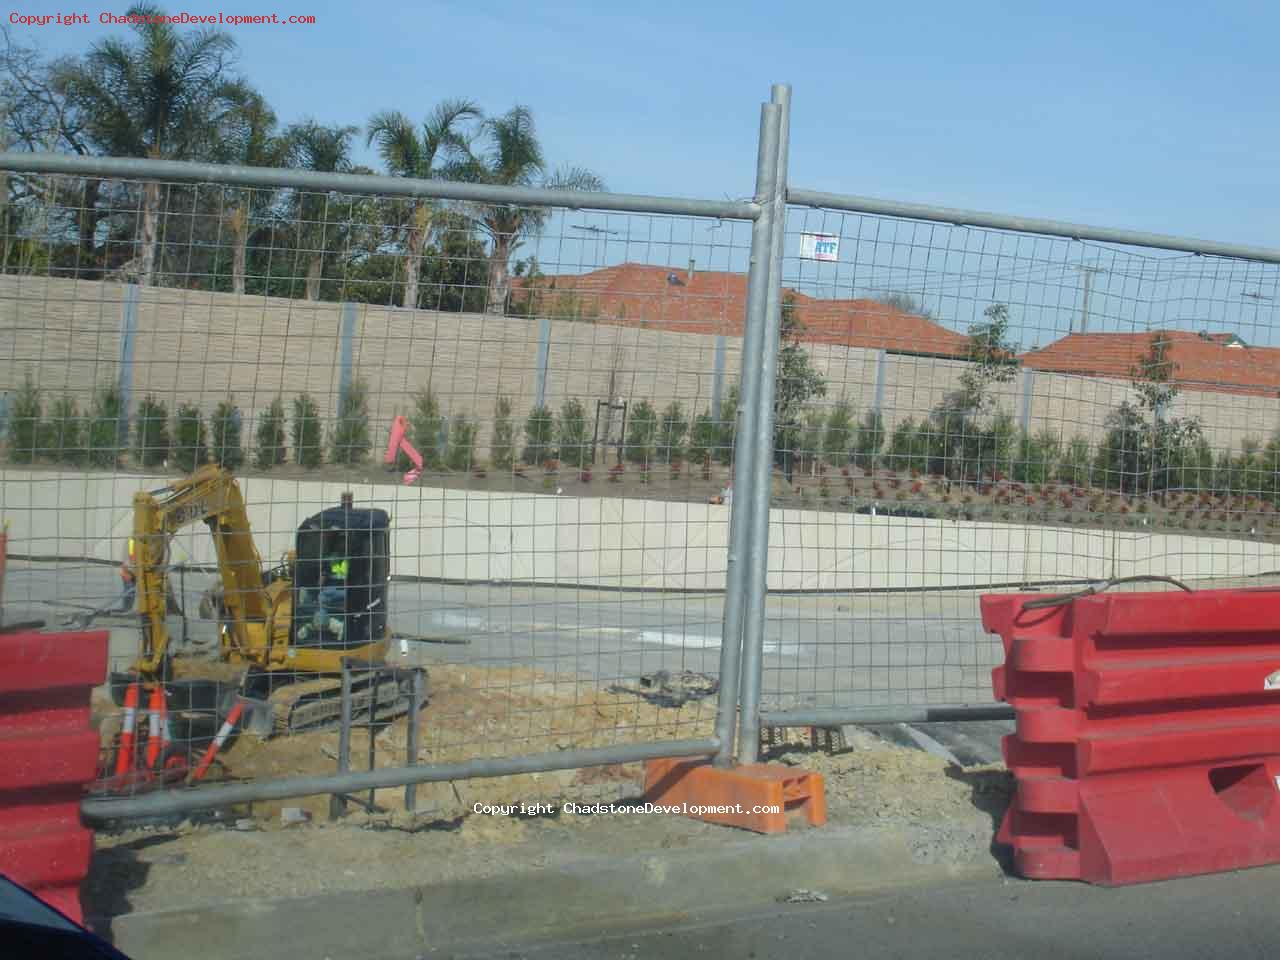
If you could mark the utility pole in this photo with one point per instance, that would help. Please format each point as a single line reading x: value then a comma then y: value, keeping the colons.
x: 1088, y: 284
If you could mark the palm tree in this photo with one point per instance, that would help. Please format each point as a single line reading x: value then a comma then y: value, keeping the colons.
x: 514, y: 158
x: 322, y: 149
x: 167, y: 96
x: 410, y: 154
x: 253, y: 142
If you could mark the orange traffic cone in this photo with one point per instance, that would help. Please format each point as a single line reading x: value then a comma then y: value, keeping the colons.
x: 124, y: 753
x: 223, y: 733
x: 158, y: 727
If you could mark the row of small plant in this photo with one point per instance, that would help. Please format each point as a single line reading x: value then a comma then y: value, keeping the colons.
x: 106, y: 432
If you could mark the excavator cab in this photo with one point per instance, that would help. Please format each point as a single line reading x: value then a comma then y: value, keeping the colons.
x: 340, y: 579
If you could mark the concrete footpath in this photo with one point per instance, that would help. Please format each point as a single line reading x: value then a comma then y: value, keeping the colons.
x: 1227, y: 915
x: 564, y: 895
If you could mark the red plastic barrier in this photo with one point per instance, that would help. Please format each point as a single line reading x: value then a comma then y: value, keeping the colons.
x: 48, y: 752
x: 1148, y: 733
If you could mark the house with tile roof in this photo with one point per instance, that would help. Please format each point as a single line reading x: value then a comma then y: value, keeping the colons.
x: 1219, y: 362
x: 715, y: 302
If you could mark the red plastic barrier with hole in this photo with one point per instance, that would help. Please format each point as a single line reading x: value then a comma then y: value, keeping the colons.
x: 48, y: 752
x: 1148, y: 733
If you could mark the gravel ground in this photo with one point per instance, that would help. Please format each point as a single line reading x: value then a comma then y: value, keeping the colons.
x: 950, y: 814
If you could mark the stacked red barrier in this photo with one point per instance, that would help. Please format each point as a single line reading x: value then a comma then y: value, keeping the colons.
x: 48, y: 752
x: 1148, y: 733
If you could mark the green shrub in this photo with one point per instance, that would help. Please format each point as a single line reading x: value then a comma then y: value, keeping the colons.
x: 1035, y: 459
x: 502, y: 442
x: 24, y: 422
x: 226, y: 430
x: 727, y: 426
x: 351, y: 440
x: 108, y: 427
x: 539, y: 436
x: 671, y: 436
x: 1075, y: 467
x: 151, y: 436
x: 426, y: 429
x: 642, y: 434
x: 190, y: 439
x: 64, y: 433
x: 572, y: 436
x: 305, y: 432
x: 869, y: 438
x: 810, y: 440
x: 269, y: 450
x: 908, y: 447
x: 702, y: 438
x: 462, y: 443
x: 837, y: 441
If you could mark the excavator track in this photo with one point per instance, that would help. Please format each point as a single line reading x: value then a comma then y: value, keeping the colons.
x: 317, y: 704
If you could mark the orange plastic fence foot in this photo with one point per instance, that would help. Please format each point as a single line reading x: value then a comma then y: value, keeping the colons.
x: 753, y: 796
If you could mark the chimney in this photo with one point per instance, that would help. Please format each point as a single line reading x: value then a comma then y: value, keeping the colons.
x: 692, y: 264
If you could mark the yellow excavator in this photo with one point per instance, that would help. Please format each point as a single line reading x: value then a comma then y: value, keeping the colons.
x: 290, y: 627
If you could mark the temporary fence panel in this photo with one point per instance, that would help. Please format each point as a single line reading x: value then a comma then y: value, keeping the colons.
x: 526, y: 390
x: 971, y: 403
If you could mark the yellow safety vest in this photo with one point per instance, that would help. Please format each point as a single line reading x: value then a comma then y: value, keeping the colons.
x: 339, y: 569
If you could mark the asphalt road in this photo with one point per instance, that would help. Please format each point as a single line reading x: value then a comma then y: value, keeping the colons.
x: 1228, y: 915
x: 818, y: 651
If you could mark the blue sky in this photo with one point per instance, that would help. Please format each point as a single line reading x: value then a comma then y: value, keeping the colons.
x: 1157, y: 116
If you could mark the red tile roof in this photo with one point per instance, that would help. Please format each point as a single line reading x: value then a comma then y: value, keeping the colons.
x: 714, y: 302
x: 1199, y: 362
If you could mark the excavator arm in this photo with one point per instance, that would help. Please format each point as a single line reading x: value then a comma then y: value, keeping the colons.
x: 210, y: 495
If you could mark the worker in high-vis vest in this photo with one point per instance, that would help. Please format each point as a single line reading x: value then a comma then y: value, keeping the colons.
x: 128, y: 573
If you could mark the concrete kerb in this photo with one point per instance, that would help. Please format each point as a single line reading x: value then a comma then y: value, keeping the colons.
x: 641, y: 889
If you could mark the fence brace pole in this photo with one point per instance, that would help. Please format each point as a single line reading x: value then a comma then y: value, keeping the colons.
x: 756, y: 568
x: 747, y: 442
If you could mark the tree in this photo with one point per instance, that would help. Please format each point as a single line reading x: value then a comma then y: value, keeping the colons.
x: 228, y: 451
x: 837, y: 441
x: 319, y: 149
x: 1144, y: 446
x: 168, y: 96
x: 305, y: 431
x: 462, y: 443
x: 572, y: 436
x: 513, y: 157
x: 869, y: 438
x: 408, y: 153
x: 151, y: 438
x: 502, y: 442
x: 642, y: 434
x: 108, y: 427
x: 190, y: 438
x: 671, y: 436
x: 797, y: 383
x: 962, y: 448
x: 539, y: 436
x: 65, y: 442
x: 269, y: 449
x: 426, y: 429
x: 25, y: 432
x: 351, y: 439
x: 251, y: 140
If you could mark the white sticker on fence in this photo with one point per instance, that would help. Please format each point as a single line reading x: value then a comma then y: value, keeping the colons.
x: 819, y: 246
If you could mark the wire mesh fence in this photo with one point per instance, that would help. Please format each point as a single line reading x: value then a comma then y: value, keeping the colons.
x: 257, y: 431
x: 965, y: 409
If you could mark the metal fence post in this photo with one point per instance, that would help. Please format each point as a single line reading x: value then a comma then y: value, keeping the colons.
x: 348, y: 336
x: 544, y: 355
x: 717, y: 381
x: 752, y: 343
x: 413, y: 746
x: 128, y: 338
x: 338, y: 802
x: 756, y: 574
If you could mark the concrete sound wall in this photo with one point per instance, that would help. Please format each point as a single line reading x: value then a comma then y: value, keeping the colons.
x: 485, y: 537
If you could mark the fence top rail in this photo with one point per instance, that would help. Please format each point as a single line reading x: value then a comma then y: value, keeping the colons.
x: 1054, y: 228
x: 132, y: 168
